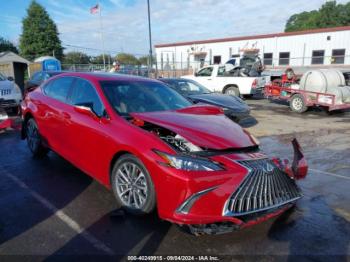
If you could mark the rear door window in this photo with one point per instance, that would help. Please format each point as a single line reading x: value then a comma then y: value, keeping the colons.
x: 84, y: 94
x: 59, y: 88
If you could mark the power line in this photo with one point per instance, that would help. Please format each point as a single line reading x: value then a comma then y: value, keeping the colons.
x: 97, y: 49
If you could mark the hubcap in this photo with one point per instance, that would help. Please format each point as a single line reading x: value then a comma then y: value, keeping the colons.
x: 131, y: 185
x: 33, y: 138
x: 297, y: 103
x: 231, y: 92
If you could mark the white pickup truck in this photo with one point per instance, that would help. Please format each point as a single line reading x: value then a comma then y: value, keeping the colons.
x: 216, y: 79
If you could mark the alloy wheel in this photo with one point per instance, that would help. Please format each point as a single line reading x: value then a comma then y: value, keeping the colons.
x: 131, y: 185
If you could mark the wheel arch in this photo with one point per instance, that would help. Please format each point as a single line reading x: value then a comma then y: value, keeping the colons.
x: 114, y: 159
x: 28, y: 115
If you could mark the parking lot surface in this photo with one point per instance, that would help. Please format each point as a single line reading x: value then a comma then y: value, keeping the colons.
x: 50, y: 208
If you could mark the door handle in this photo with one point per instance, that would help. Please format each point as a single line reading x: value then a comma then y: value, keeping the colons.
x: 209, y: 79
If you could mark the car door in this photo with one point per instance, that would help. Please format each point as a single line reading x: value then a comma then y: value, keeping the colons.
x: 53, y: 116
x: 88, y: 137
x: 204, y: 77
x: 221, y: 79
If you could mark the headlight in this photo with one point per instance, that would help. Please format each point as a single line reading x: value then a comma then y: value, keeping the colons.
x: 189, y: 163
x: 3, y: 116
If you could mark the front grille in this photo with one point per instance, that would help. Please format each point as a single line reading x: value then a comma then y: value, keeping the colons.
x: 5, y: 92
x: 265, y: 187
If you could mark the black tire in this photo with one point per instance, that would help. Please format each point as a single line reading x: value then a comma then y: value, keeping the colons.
x: 232, y: 91
x: 34, y: 139
x: 298, y: 104
x: 131, y: 201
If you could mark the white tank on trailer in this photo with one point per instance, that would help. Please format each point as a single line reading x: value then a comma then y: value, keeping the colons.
x: 330, y: 81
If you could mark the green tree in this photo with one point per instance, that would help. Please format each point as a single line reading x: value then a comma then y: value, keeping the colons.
x: 143, y: 60
x: 39, y: 34
x: 6, y: 45
x: 76, y: 58
x: 127, y: 59
x: 330, y: 14
x: 99, y: 59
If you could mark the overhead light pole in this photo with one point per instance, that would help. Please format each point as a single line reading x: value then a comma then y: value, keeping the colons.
x: 150, y: 62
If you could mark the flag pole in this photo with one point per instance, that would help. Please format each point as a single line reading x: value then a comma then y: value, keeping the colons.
x: 102, y: 40
x: 150, y: 62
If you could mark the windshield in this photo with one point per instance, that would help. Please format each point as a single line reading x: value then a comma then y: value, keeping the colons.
x: 186, y: 87
x: 142, y: 96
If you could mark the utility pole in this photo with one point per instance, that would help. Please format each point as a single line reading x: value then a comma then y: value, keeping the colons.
x: 150, y: 62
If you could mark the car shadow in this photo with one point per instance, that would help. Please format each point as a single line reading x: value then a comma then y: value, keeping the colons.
x: 124, y: 234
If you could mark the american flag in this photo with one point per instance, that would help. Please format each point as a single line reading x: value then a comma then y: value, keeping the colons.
x: 94, y: 9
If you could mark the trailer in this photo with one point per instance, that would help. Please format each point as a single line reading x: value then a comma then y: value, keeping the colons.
x: 314, y: 88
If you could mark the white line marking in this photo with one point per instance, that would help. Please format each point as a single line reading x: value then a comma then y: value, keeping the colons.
x: 329, y: 174
x: 62, y: 216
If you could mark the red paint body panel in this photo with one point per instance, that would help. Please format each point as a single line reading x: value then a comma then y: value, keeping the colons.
x: 214, y: 131
x: 91, y: 144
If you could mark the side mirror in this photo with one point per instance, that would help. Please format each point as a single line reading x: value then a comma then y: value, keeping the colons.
x: 10, y: 78
x: 85, y: 110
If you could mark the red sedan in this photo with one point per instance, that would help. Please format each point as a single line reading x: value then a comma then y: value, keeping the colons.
x: 154, y: 149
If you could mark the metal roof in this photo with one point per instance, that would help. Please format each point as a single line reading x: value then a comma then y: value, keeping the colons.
x: 10, y: 57
x: 230, y: 39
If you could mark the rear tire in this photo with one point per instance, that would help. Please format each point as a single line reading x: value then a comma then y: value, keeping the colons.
x: 132, y: 185
x: 34, y: 139
x: 232, y: 91
x: 298, y: 104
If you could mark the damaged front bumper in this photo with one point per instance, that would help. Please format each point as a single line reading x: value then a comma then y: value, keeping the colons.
x: 260, y: 189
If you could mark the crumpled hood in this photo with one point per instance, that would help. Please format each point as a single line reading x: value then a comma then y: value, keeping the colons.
x: 204, y: 126
x: 231, y: 102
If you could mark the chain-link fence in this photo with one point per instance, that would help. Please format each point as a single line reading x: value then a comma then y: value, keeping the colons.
x: 137, y: 70
x: 177, y: 69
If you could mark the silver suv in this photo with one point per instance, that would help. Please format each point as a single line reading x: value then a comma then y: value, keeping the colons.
x: 10, y: 94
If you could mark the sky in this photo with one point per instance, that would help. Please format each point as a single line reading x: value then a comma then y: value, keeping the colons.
x: 125, y: 26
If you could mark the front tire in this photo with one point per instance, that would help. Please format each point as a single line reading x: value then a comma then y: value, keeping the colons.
x: 34, y: 139
x: 298, y: 104
x: 132, y: 185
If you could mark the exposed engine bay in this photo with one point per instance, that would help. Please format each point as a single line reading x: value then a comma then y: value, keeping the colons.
x: 176, y: 141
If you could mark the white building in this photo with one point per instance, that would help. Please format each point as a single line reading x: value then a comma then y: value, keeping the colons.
x: 318, y: 47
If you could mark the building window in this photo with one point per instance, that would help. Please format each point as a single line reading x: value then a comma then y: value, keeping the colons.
x: 268, y: 58
x: 317, y: 57
x: 217, y: 59
x: 284, y: 58
x: 338, y: 56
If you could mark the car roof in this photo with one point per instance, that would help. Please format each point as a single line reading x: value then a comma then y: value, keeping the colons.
x: 107, y: 76
x: 173, y: 79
